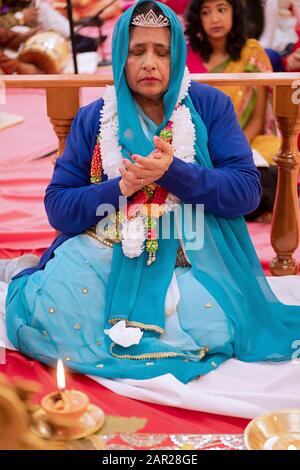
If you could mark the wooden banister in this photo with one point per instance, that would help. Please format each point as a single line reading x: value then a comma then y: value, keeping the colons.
x: 86, y: 80
x: 63, y: 101
x: 62, y: 105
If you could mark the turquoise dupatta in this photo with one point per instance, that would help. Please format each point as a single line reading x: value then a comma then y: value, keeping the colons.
x: 227, y: 265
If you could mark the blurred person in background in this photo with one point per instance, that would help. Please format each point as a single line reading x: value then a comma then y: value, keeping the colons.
x: 12, y: 40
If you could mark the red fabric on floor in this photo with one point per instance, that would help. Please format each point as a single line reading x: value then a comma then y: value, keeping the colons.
x: 161, y: 419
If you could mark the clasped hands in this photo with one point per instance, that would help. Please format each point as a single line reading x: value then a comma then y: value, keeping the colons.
x: 146, y: 170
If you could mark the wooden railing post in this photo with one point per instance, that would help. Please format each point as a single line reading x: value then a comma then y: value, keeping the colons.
x: 285, y: 221
x: 62, y: 105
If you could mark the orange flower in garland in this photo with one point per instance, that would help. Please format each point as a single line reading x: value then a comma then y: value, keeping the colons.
x: 96, y: 166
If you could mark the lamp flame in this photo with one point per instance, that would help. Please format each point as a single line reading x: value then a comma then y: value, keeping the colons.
x: 292, y: 447
x: 60, y: 375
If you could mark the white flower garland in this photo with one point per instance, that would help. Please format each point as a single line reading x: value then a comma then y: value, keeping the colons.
x: 183, y: 130
x: 183, y: 142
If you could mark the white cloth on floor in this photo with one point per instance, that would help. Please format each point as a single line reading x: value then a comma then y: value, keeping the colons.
x: 235, y: 389
x: 10, y: 267
x: 51, y: 19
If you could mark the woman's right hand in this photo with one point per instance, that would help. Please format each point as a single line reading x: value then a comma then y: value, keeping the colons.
x: 146, y: 170
x: 135, y: 177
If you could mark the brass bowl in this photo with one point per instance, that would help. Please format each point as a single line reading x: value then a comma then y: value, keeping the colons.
x: 90, y: 422
x: 68, y: 416
x: 275, y: 430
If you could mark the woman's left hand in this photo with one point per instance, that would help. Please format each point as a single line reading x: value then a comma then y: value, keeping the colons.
x: 154, y: 166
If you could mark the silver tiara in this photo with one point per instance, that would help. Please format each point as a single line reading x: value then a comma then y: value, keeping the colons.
x: 150, y: 20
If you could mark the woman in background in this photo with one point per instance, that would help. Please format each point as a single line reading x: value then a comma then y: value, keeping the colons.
x: 218, y: 43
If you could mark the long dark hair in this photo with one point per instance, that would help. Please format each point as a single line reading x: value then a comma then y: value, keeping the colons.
x: 198, y: 38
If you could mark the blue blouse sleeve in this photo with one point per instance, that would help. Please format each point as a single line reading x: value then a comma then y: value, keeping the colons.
x: 230, y: 189
x: 71, y: 202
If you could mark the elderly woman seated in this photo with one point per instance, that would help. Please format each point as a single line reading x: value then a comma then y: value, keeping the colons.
x: 153, y: 271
